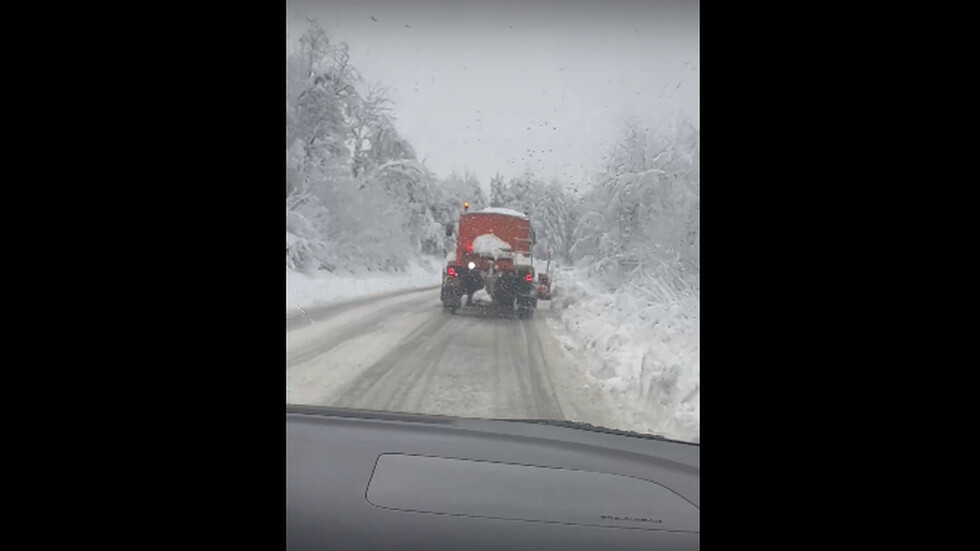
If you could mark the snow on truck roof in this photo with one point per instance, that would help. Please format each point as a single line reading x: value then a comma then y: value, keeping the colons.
x: 497, y: 210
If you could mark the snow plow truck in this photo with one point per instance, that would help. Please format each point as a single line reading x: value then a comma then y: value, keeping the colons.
x: 493, y: 252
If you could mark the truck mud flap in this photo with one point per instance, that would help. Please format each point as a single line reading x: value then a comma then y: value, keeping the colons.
x: 525, y: 306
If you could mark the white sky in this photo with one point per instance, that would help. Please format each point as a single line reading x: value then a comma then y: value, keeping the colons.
x: 500, y: 85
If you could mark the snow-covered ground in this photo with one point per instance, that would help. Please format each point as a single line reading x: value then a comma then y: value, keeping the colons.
x: 644, y: 353
x: 325, y: 287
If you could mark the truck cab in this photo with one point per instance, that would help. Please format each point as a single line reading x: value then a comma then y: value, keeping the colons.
x: 492, y: 252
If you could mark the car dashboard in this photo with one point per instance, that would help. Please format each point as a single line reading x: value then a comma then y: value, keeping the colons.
x: 380, y: 480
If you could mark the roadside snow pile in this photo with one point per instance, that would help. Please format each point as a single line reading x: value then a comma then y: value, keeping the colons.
x: 324, y: 287
x: 491, y: 246
x: 643, y: 351
x: 302, y: 248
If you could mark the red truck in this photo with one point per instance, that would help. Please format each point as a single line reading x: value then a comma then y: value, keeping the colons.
x: 493, y: 252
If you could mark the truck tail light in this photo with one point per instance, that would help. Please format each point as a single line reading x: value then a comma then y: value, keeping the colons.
x: 528, y: 277
x: 452, y: 272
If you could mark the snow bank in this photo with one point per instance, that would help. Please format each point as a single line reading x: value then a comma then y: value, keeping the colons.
x: 644, y: 352
x: 508, y: 212
x: 324, y: 287
x: 492, y: 246
x: 302, y: 249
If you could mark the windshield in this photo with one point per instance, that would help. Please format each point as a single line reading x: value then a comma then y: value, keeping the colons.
x: 493, y: 210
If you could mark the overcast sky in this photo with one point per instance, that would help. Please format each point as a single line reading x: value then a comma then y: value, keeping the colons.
x: 500, y: 86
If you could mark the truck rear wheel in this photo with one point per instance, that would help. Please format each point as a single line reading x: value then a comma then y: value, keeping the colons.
x: 525, y: 306
x: 505, y: 302
x: 450, y: 300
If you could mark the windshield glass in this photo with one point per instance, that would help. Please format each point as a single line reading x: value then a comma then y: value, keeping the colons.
x: 493, y: 210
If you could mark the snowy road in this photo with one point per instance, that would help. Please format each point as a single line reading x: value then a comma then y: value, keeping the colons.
x: 401, y: 352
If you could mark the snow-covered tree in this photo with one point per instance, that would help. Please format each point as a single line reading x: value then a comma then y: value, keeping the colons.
x: 458, y: 188
x: 642, y: 219
x: 499, y: 193
x: 341, y: 212
x: 412, y: 187
x: 374, y: 138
